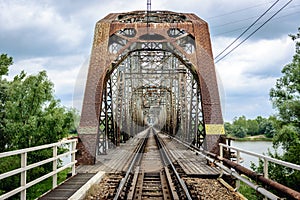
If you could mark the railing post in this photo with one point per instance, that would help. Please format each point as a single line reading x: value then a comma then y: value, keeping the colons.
x: 54, y: 177
x: 266, y: 175
x: 73, y: 156
x: 221, y: 150
x: 266, y: 164
x: 221, y: 156
x: 23, y: 175
x: 238, y: 157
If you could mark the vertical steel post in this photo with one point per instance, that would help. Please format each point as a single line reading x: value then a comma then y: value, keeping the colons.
x: 23, y: 175
x: 73, y: 158
x: 221, y: 156
x: 54, y: 167
x: 102, y: 137
x: 238, y: 157
x: 266, y: 164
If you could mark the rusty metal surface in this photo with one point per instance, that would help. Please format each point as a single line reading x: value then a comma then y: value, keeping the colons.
x: 116, y: 160
x: 157, y: 41
x: 258, y: 177
x: 192, y: 164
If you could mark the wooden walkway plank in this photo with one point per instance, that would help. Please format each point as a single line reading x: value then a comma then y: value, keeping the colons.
x: 192, y: 164
x: 68, y: 188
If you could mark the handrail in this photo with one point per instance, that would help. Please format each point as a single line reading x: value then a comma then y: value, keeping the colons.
x: 26, y: 150
x: 216, y: 160
x: 280, y: 162
x: 24, y: 167
x: 284, y: 189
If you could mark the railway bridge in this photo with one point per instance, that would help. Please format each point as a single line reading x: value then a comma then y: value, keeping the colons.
x: 150, y: 69
x: 151, y: 123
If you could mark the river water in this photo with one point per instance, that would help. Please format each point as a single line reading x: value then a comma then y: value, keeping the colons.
x: 260, y: 147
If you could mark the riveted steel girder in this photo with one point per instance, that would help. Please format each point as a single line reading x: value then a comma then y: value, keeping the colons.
x: 150, y: 69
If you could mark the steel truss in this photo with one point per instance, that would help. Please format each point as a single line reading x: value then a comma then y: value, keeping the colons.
x: 152, y: 86
x: 106, y: 134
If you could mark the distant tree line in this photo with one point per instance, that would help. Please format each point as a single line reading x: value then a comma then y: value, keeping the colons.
x: 242, y: 127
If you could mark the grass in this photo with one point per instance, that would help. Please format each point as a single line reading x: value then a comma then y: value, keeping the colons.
x: 249, y: 192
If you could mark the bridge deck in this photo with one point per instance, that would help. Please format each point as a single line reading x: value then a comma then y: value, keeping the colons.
x: 68, y: 188
x: 192, y: 164
x: 117, y: 160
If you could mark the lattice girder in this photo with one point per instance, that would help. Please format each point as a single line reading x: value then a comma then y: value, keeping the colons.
x: 125, y: 40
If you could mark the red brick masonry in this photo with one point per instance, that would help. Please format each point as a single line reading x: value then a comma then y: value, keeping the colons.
x: 101, y: 63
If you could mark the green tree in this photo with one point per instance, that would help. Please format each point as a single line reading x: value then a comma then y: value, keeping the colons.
x: 239, y: 127
x: 5, y: 62
x: 285, y: 97
x: 252, y: 127
x: 265, y: 126
x: 228, y: 128
x: 33, y: 113
x: 239, y: 131
x: 30, y: 116
x: 241, y: 121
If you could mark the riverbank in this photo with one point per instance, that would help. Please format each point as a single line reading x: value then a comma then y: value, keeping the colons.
x: 251, y: 138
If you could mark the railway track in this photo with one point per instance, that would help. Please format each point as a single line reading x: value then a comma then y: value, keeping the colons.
x: 151, y: 174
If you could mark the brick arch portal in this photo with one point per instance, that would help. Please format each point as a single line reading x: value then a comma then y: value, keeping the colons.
x: 118, y: 35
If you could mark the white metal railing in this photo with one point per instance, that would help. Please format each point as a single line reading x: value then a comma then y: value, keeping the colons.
x: 24, y: 167
x: 229, y: 171
x: 266, y: 159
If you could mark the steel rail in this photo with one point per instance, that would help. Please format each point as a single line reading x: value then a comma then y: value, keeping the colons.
x: 168, y: 161
x: 252, y: 175
x: 129, y: 171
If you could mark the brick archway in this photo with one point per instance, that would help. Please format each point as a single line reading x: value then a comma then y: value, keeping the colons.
x: 119, y: 33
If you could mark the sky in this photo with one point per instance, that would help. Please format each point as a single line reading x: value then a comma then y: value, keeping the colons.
x: 57, y: 35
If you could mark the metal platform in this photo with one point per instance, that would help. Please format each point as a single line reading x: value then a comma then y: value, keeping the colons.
x: 192, y: 164
x: 116, y: 160
x: 68, y: 188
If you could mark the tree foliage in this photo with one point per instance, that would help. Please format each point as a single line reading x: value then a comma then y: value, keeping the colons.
x: 5, y: 62
x: 285, y: 97
x: 30, y: 116
x: 242, y: 127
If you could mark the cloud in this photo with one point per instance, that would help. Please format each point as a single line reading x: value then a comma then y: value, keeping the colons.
x: 237, y: 106
x: 239, y: 16
x: 62, y: 71
x: 250, y: 72
x: 30, y: 28
x: 57, y: 36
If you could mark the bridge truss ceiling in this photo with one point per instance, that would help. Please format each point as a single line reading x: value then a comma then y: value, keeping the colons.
x: 124, y: 92
x: 151, y: 83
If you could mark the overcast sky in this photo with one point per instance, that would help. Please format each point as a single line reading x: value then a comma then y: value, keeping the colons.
x: 56, y: 35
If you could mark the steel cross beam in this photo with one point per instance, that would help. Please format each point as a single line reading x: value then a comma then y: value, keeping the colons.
x: 150, y: 88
